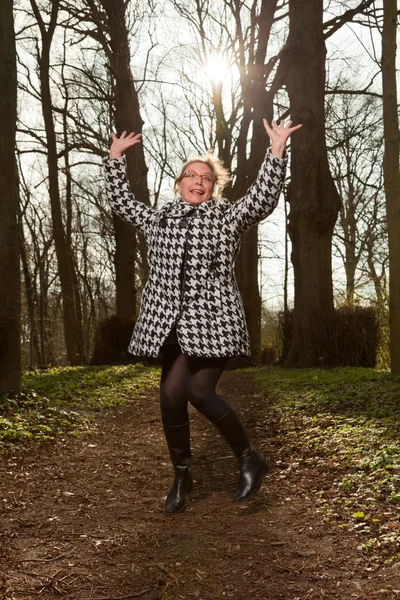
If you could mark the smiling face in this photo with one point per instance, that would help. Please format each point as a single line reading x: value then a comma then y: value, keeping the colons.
x: 197, y: 183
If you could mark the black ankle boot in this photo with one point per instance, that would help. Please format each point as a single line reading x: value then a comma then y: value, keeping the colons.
x: 253, y: 468
x: 178, y: 440
x: 252, y: 464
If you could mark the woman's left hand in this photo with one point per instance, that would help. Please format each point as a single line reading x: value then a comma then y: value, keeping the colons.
x: 279, y: 135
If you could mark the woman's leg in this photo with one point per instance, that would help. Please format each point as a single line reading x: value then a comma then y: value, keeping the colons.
x: 175, y: 419
x: 204, y: 376
x: 174, y: 377
x: 201, y: 389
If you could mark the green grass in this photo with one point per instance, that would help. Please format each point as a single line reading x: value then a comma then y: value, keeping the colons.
x: 64, y: 400
x: 356, y: 391
x: 344, y: 425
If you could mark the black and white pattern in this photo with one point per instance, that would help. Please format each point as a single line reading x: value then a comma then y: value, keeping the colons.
x: 191, y: 255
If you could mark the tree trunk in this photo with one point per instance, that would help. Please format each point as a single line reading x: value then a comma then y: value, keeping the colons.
x: 30, y: 300
x: 257, y: 105
x: 246, y: 270
x: 71, y: 304
x: 348, y: 222
x: 10, y: 297
x: 392, y: 174
x: 313, y: 198
x: 286, y: 312
x: 349, y: 226
x: 43, y: 302
x: 127, y: 118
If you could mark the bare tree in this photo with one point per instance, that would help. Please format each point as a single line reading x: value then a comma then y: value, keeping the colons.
x: 35, y: 356
x: 93, y: 89
x: 242, y: 32
x: 392, y: 173
x: 314, y: 201
x: 82, y: 100
x: 231, y: 121
x: 10, y: 302
x: 111, y: 34
x: 313, y: 197
x: 37, y: 256
x: 71, y: 301
x: 355, y: 138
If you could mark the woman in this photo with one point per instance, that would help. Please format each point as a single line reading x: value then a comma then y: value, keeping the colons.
x: 191, y: 310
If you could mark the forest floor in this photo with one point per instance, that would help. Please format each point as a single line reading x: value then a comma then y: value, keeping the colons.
x: 82, y: 515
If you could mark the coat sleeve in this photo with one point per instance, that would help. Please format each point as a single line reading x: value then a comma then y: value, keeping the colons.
x: 262, y: 196
x: 121, y: 198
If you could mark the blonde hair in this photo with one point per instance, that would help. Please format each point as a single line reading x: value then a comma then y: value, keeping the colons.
x: 220, y: 173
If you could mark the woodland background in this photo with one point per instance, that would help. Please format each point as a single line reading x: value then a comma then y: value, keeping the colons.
x: 196, y: 75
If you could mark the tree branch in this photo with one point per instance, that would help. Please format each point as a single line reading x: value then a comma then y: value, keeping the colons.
x: 337, y: 22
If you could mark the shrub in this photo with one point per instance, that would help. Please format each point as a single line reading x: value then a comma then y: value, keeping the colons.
x: 111, y: 341
x: 269, y: 355
x: 351, y: 337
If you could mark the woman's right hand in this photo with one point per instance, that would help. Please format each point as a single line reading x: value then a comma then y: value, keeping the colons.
x: 122, y: 143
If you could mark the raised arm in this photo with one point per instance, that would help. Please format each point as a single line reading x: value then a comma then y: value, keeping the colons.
x: 262, y: 196
x: 118, y: 189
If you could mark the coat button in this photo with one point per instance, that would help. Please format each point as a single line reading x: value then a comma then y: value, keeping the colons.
x: 183, y: 224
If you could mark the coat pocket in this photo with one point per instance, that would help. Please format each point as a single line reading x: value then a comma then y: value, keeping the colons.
x: 214, y: 295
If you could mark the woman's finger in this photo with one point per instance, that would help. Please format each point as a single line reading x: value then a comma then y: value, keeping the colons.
x: 136, y: 139
x: 131, y: 141
x: 266, y: 125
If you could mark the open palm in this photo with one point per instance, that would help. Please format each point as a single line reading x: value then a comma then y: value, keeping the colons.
x: 279, y: 134
x: 122, y: 143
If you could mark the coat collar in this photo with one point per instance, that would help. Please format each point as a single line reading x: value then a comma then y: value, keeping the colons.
x: 180, y: 208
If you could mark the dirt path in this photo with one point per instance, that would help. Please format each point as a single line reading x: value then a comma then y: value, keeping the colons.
x: 85, y: 519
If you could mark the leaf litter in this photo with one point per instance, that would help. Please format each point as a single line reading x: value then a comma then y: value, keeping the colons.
x: 82, y: 513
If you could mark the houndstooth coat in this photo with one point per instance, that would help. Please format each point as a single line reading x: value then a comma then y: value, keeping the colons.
x: 191, y: 253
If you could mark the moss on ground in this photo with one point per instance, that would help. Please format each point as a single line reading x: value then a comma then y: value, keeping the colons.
x: 344, y: 426
x: 64, y: 400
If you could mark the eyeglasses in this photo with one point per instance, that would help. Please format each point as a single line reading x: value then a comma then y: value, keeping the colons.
x: 204, y: 178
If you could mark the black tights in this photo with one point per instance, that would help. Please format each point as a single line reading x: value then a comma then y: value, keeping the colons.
x: 190, y: 379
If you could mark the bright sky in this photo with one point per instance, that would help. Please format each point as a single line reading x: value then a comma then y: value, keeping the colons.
x: 351, y: 41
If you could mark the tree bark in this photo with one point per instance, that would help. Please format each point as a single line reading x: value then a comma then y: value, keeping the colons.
x: 313, y: 198
x: 257, y: 105
x: 348, y: 222
x: 392, y: 173
x: 71, y: 303
x: 30, y: 299
x: 127, y: 118
x: 10, y: 297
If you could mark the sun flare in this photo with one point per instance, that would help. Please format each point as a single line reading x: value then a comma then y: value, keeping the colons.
x: 217, y: 67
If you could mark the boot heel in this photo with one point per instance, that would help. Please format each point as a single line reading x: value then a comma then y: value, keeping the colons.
x: 183, y: 484
x: 178, y: 441
x: 253, y: 468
